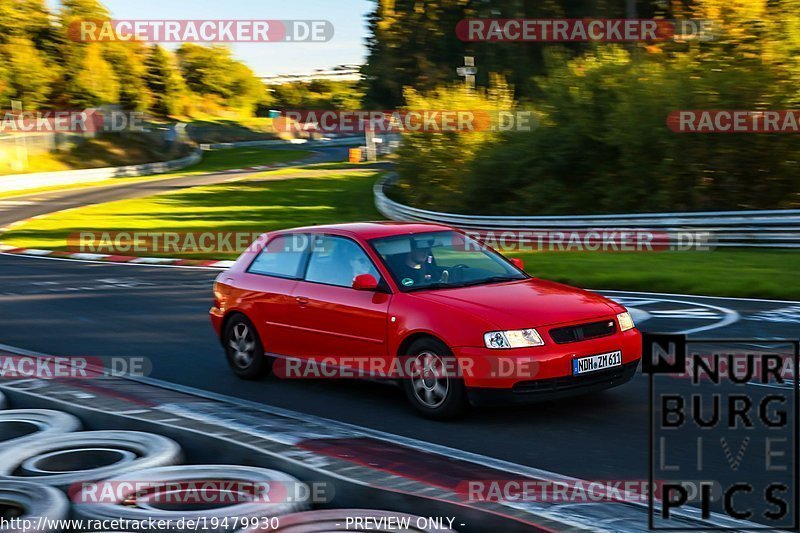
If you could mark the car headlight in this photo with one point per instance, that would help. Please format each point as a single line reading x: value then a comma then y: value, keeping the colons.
x: 517, y: 338
x: 625, y: 321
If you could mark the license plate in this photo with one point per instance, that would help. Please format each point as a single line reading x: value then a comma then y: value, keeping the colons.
x: 593, y: 363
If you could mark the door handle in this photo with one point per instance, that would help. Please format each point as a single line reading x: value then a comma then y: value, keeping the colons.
x: 302, y: 300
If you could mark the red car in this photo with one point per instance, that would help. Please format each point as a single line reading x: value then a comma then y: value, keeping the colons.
x: 454, y: 321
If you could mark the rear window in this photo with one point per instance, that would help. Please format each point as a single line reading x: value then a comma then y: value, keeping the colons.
x: 281, y: 257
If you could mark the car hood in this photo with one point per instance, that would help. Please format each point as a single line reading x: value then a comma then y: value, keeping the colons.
x: 523, y: 304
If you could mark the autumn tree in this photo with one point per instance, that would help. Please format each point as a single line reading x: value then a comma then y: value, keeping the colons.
x: 164, y: 82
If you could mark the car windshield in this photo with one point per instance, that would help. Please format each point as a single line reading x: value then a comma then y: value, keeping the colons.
x: 442, y: 259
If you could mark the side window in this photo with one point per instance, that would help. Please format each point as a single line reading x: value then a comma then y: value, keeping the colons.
x: 337, y: 261
x: 282, y: 256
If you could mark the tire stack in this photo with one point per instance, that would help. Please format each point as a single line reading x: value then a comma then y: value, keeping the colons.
x: 26, y: 500
x: 45, y: 457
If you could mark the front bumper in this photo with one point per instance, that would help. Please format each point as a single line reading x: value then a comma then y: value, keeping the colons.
x: 528, y: 372
x: 527, y: 392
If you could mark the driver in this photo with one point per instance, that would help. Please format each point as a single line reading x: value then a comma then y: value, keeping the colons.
x: 419, y: 267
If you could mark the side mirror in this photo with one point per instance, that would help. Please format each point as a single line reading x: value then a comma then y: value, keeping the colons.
x: 365, y: 282
x: 517, y: 262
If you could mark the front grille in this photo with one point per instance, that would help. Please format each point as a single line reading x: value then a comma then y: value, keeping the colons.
x: 565, y: 383
x: 582, y: 332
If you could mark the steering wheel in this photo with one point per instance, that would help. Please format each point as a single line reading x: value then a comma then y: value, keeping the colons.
x: 458, y: 271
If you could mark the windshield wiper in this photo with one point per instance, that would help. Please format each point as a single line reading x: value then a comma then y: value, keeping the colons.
x: 437, y: 285
x: 492, y: 279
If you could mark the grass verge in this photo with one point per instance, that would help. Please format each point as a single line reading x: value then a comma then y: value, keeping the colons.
x: 743, y: 273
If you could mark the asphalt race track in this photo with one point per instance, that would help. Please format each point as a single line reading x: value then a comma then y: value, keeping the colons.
x: 71, y: 308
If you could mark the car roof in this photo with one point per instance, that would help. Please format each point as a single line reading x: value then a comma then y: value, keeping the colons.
x: 371, y: 230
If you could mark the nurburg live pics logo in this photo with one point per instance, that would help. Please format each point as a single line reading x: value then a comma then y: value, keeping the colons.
x: 723, y: 424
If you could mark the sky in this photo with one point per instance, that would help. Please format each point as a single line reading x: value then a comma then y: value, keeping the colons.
x: 348, y: 18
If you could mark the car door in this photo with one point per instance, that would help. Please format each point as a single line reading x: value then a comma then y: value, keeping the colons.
x: 271, y: 279
x: 335, y: 320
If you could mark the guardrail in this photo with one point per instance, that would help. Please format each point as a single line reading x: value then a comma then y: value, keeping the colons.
x: 21, y: 182
x: 320, y: 143
x: 756, y: 229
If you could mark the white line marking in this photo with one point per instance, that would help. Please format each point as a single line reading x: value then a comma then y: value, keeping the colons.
x: 730, y: 315
x: 33, y: 251
x: 154, y: 260
x: 90, y: 257
x: 684, y: 313
x: 698, y: 296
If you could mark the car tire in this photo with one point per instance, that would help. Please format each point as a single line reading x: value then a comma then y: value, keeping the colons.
x: 439, y: 398
x: 18, y: 427
x: 32, y: 501
x: 61, y: 460
x: 243, y: 349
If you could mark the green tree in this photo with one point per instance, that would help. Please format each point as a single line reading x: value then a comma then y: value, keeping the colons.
x: 28, y: 19
x: 205, y: 68
x: 28, y: 76
x: 602, y: 144
x: 212, y: 71
x: 73, y: 10
x: 164, y: 82
x: 6, y: 91
x: 92, y: 80
x: 318, y: 94
x: 88, y: 78
x: 432, y: 165
x: 127, y: 59
x: 414, y: 43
